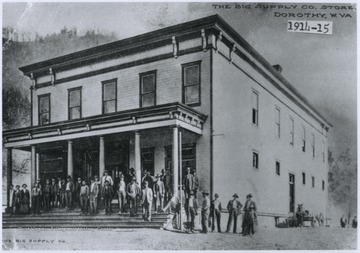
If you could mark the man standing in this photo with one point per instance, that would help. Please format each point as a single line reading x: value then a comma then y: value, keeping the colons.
x: 188, y: 183
x: 94, y: 191
x: 216, y: 213
x: 191, y: 212
x: 234, y: 207
x: 205, y: 212
x: 146, y: 201
x: 132, y: 192
x: 36, y: 197
x: 108, y: 178
x: 47, y: 194
x: 83, y: 197
x: 54, y: 193
x: 107, y: 194
x: 69, y: 189
x: 97, y: 181
x: 17, y: 199
x: 249, y: 216
x: 149, y: 179
x: 121, y: 194
x: 77, y: 187
x: 159, y: 192
x: 168, y: 186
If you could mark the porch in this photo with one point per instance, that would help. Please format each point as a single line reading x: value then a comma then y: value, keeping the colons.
x: 144, y: 139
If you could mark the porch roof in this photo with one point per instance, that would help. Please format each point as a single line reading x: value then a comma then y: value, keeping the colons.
x: 173, y: 114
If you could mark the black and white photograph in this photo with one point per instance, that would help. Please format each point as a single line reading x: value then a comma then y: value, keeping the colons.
x: 179, y: 126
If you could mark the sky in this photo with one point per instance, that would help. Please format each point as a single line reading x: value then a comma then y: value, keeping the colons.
x: 321, y: 67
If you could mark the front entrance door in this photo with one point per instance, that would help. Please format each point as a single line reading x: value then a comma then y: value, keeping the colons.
x: 292, y: 192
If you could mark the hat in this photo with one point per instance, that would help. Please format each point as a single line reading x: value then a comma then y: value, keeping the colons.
x: 157, y: 175
x: 216, y: 195
x: 24, y: 185
x: 122, y: 176
x: 249, y: 195
x: 205, y: 192
x: 188, y: 169
x: 191, y: 192
x: 235, y: 196
x: 106, y: 171
x: 17, y: 186
x: 69, y: 177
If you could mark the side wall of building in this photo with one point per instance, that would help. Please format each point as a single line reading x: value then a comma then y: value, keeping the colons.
x: 236, y: 138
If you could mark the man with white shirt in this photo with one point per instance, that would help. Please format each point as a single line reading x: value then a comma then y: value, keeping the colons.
x: 108, y: 178
x: 146, y: 201
x: 94, y: 191
x: 121, y: 193
x: 69, y: 189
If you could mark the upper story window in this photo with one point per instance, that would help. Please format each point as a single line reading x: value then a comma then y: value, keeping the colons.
x: 255, y: 108
x: 277, y: 168
x: 313, y: 181
x: 148, y: 89
x: 74, y: 103
x: 323, y: 185
x: 44, y: 109
x: 255, y: 160
x: 292, y: 131
x: 277, y: 122
x: 303, y: 136
x: 191, y: 83
x: 313, y: 145
x: 109, y: 96
x: 303, y: 178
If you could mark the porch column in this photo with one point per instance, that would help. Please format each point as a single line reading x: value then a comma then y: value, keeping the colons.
x: 37, y: 166
x: 8, y: 174
x: 175, y: 159
x: 33, y: 167
x: 101, y: 157
x: 70, y: 162
x: 137, y: 158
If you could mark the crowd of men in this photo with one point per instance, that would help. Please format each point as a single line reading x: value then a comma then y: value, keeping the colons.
x: 155, y: 191
x: 98, y: 193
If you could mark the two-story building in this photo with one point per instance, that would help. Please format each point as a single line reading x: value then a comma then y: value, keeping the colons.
x: 191, y: 95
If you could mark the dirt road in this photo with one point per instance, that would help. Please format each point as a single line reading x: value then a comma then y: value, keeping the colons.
x: 149, y: 239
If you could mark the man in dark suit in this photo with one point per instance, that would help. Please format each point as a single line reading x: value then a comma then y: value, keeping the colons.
x: 233, y: 207
x: 47, y: 195
x: 69, y: 189
x: 146, y: 201
x: 54, y: 193
x: 107, y: 193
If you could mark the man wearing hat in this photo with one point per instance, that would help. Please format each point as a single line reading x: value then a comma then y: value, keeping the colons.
x: 191, y: 211
x: 149, y: 179
x: 108, y: 178
x: 47, y: 191
x: 69, y: 189
x: 215, y: 210
x: 106, y: 195
x: 167, y: 180
x: 233, y: 207
x: 132, y: 192
x: 94, y: 191
x: 146, y: 201
x: 159, y: 193
x: 188, y: 183
x: 205, y: 212
x: 249, y: 216
x: 121, y: 193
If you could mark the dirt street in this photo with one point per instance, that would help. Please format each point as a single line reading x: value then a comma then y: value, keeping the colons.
x: 150, y: 239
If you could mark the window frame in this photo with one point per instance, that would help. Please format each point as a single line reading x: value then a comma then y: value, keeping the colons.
x: 69, y: 108
x: 255, y: 117
x: 313, y: 144
x: 114, y: 80
x: 141, y: 76
x: 255, y: 154
x: 292, y: 131
x: 183, y: 67
x: 39, y: 114
x: 277, y: 124
x: 303, y: 178
x: 303, y: 137
x: 323, y: 185
x: 312, y: 181
x: 277, y: 168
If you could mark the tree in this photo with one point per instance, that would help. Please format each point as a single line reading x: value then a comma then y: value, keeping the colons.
x: 343, y: 181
